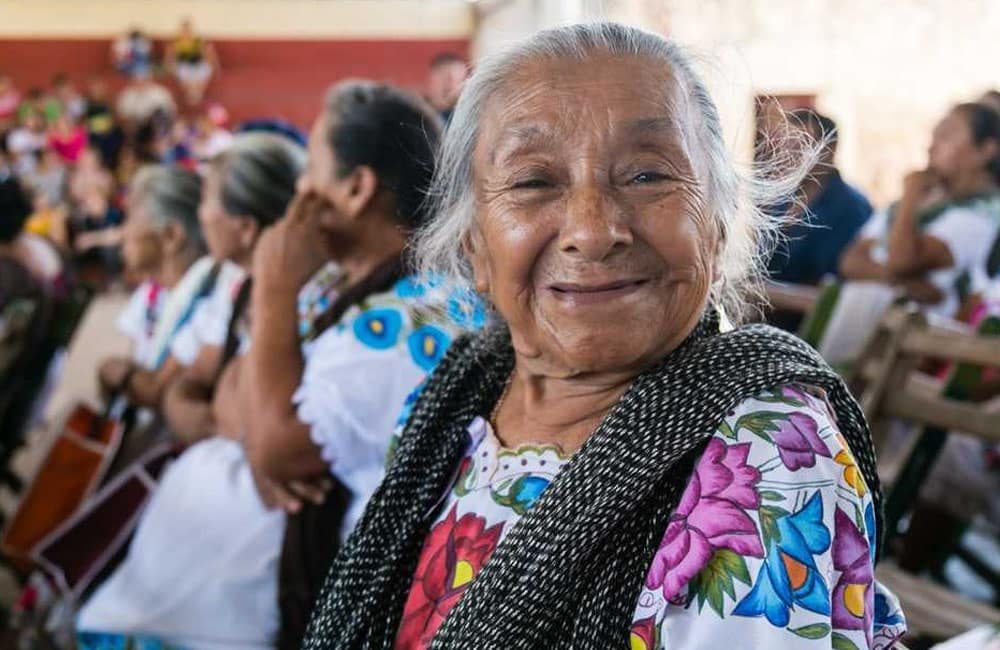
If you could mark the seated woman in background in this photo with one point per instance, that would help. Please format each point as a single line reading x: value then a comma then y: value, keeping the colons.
x: 944, y: 225
x: 244, y: 192
x: 326, y: 407
x: 606, y: 467
x: 931, y: 244
x: 161, y: 242
x: 201, y: 569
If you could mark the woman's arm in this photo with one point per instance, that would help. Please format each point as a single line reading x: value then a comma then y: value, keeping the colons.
x: 142, y: 387
x: 277, y: 442
x: 230, y: 411
x: 187, y: 408
x: 857, y: 262
x: 912, y: 252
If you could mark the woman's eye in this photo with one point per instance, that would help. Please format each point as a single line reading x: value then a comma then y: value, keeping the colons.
x: 647, y: 177
x: 531, y: 184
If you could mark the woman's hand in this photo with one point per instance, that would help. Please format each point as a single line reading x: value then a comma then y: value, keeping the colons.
x: 919, y: 185
x: 291, y: 496
x: 112, y: 374
x: 292, y: 250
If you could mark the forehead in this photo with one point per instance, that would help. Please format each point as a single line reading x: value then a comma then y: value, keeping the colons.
x: 601, y: 95
x: 953, y: 122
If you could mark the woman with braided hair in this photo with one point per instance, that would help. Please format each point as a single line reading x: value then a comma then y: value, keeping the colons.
x: 611, y: 464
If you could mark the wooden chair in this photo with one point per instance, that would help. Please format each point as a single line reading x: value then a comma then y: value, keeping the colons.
x: 889, y: 387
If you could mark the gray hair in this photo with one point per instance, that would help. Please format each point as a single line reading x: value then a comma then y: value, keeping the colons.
x: 171, y: 194
x: 258, y: 172
x: 737, y: 200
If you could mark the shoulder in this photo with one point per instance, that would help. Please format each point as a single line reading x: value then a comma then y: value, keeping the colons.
x: 417, y: 318
x: 861, y: 203
x: 775, y: 526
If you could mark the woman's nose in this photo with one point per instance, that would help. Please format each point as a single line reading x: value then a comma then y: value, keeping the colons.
x: 594, y: 226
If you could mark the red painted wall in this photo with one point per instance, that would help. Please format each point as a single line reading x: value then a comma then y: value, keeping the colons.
x: 260, y: 78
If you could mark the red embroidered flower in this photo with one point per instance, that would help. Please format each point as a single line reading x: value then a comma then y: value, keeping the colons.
x: 643, y: 634
x: 453, y: 555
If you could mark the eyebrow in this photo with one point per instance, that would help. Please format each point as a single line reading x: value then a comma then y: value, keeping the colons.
x: 517, y: 140
x: 652, y: 126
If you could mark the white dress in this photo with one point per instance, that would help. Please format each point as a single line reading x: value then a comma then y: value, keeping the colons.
x: 202, y: 571
x: 969, y: 232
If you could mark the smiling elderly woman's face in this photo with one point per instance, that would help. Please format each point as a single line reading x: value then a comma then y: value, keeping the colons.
x: 592, y: 238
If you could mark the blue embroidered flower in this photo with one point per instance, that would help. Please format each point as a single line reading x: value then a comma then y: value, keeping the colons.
x: 885, y: 614
x: 466, y: 310
x: 411, y: 399
x: 411, y: 287
x: 427, y: 346
x: 789, y: 575
x: 110, y: 641
x: 870, y: 531
x: 378, y: 328
x: 527, y: 489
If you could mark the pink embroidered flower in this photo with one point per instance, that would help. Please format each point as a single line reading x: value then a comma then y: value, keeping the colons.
x: 710, y: 516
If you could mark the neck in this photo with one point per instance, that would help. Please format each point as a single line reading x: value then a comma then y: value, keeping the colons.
x: 244, y: 261
x: 556, y: 410
x: 174, y: 268
x: 370, y: 248
x: 971, y: 185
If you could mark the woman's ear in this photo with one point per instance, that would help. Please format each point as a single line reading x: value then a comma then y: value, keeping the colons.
x: 249, y: 231
x: 362, y: 186
x: 174, y: 238
x: 474, y: 247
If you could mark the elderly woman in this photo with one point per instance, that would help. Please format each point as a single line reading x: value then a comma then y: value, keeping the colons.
x: 161, y: 243
x: 608, y: 466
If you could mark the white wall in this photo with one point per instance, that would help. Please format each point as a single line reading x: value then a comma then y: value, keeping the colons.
x: 240, y: 18
x: 885, y: 70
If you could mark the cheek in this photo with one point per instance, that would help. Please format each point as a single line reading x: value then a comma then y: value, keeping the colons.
x: 513, y: 245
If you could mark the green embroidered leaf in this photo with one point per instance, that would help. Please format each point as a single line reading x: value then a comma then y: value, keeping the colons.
x: 771, y: 495
x: 769, y: 516
x: 735, y: 565
x: 760, y: 423
x: 727, y: 430
x: 714, y: 582
x: 840, y: 642
x: 463, y: 482
x: 814, y: 631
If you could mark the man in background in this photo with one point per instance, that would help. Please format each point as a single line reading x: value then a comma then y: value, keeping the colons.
x: 826, y: 215
x: 447, y: 75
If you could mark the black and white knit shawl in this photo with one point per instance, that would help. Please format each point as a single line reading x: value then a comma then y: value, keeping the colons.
x: 569, y: 573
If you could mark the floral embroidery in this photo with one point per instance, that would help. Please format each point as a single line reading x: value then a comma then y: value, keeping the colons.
x: 427, y: 346
x: 454, y: 553
x: 789, y: 575
x: 466, y: 310
x: 378, y: 328
x: 774, y: 532
x: 411, y: 288
x: 643, y: 634
x: 710, y: 516
x: 798, y: 441
x: 852, y: 475
x: 853, y: 603
x: 520, y: 494
x: 102, y: 641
